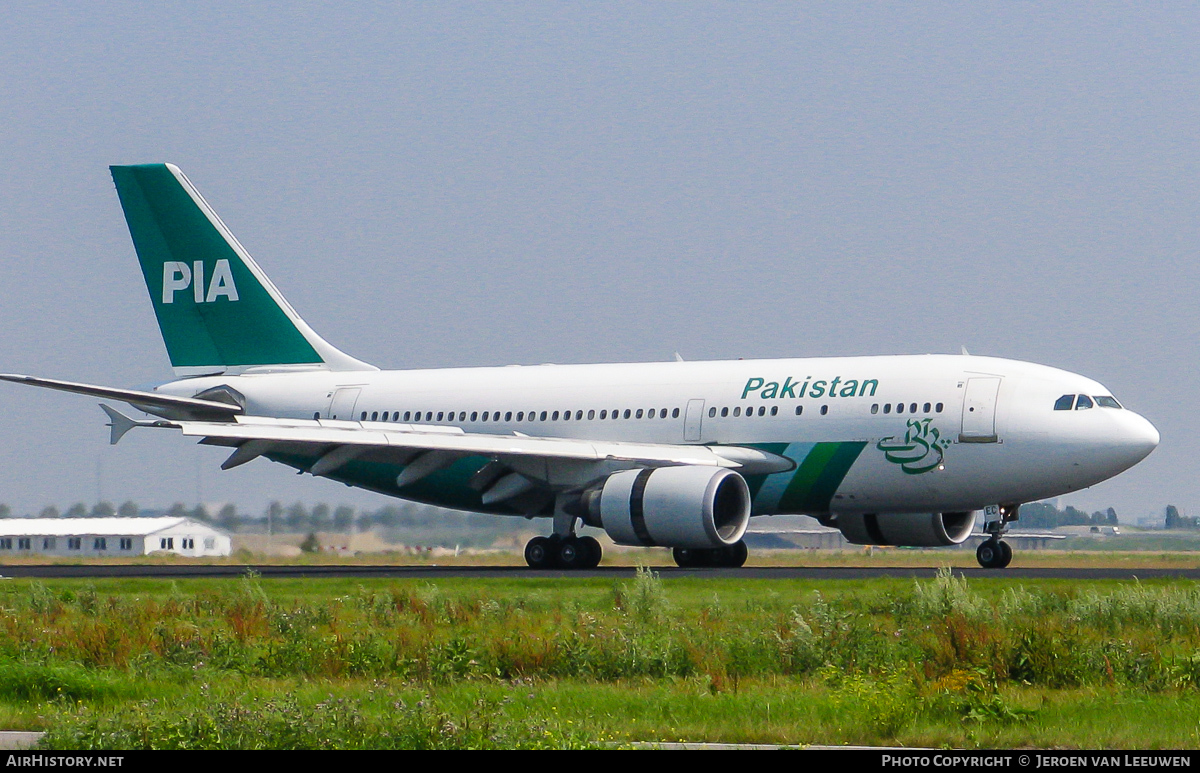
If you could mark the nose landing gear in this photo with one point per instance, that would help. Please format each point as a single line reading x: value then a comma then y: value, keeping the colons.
x: 994, y: 553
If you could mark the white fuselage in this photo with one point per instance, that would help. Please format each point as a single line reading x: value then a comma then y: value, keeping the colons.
x: 867, y: 434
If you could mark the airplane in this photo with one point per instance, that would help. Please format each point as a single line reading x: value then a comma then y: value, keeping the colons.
x: 890, y: 450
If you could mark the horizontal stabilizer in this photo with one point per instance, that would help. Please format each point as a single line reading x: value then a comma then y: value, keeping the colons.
x: 121, y: 423
x: 177, y: 407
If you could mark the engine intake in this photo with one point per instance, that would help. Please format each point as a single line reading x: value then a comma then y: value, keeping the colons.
x: 685, y: 507
x: 921, y: 530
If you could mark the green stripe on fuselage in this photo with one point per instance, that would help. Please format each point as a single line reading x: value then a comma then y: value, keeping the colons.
x: 820, y: 473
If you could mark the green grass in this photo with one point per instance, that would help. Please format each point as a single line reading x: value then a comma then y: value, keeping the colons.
x: 572, y: 662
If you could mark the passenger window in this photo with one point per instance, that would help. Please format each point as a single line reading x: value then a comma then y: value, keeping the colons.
x: 926, y: 409
x: 938, y: 407
x: 875, y: 408
x: 737, y: 411
x: 724, y: 412
x: 474, y: 415
x: 1083, y: 403
x: 626, y: 414
x: 712, y: 412
x: 578, y: 415
x: 363, y: 417
x: 799, y: 409
x: 1064, y: 403
x: 887, y: 407
x: 651, y: 413
x: 899, y: 407
x: 912, y: 408
x: 520, y: 415
x: 774, y: 410
x: 603, y: 414
x: 440, y: 415
x: 675, y: 413
x: 824, y: 409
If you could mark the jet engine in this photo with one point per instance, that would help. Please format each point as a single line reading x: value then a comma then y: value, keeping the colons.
x: 921, y: 530
x: 682, y: 507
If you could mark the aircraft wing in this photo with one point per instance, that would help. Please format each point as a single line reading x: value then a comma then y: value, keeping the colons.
x: 343, y: 438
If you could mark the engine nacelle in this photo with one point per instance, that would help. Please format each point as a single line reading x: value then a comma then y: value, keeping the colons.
x: 921, y: 530
x: 680, y: 507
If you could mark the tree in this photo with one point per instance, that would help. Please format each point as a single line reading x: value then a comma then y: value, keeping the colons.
x: 128, y: 509
x: 49, y: 511
x: 343, y: 518
x: 296, y: 517
x: 1112, y: 517
x: 77, y: 510
x: 227, y: 518
x: 310, y: 544
x: 5, y: 511
x: 320, y: 518
x: 103, y: 510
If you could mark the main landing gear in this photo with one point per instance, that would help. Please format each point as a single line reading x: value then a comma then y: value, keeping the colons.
x: 994, y: 553
x: 570, y: 552
x: 730, y: 557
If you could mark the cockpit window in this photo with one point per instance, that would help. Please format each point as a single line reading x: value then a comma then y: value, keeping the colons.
x: 1107, y: 401
x: 1083, y: 403
x: 1064, y: 403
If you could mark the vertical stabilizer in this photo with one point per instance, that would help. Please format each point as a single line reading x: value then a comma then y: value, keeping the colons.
x: 217, y: 310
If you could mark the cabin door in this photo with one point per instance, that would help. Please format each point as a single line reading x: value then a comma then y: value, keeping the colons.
x: 693, y: 421
x: 342, y: 404
x: 979, y: 410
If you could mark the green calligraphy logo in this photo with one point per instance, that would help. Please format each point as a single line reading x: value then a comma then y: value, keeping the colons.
x: 920, y: 451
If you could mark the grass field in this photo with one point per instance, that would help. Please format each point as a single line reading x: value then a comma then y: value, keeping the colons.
x: 330, y: 663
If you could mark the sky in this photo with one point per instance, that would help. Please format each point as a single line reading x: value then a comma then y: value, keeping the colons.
x: 459, y: 184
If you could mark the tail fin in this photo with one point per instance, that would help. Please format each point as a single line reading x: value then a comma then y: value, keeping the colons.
x: 216, y: 308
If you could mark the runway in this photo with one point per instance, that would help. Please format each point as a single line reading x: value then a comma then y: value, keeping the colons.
x: 268, y: 571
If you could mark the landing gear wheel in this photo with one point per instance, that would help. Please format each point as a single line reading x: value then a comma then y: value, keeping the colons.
x: 591, y: 547
x: 728, y: 557
x: 690, y: 558
x: 735, y: 555
x: 538, y: 553
x: 571, y: 555
x: 993, y: 554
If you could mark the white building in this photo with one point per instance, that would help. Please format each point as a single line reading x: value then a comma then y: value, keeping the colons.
x: 95, y: 537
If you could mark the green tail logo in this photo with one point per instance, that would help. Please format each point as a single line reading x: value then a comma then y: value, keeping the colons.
x: 216, y: 308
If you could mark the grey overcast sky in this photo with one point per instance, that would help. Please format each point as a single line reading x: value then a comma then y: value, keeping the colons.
x: 452, y: 184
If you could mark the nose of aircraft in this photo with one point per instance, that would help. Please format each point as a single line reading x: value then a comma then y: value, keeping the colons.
x: 1138, y: 437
